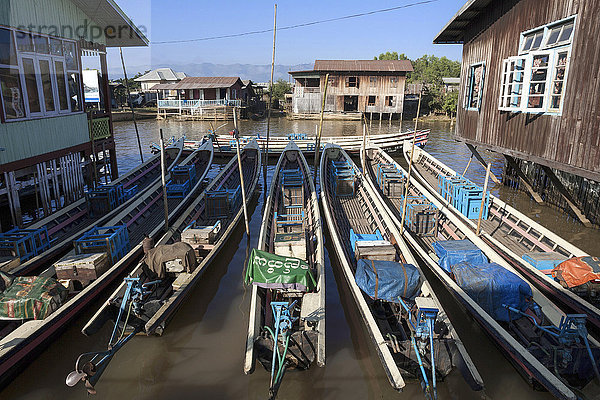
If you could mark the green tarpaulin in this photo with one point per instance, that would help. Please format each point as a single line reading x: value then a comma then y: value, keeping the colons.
x: 31, y: 297
x: 278, y: 272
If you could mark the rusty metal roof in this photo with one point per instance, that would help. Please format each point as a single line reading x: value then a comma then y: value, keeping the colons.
x: 454, y: 30
x: 205, y: 82
x: 164, y: 86
x: 364, y: 65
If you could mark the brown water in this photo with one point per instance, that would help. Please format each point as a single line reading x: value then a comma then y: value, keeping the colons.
x: 201, y: 352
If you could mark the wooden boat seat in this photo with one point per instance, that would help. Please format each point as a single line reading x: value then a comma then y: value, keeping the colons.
x: 311, y: 311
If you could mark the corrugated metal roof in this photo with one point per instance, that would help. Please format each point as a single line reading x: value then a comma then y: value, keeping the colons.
x: 206, y: 82
x: 364, y: 65
x: 164, y: 86
x: 108, y: 15
x: 161, y: 74
x: 453, y: 32
x: 451, y: 81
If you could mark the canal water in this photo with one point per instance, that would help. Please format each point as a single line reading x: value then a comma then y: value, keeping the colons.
x: 201, y: 352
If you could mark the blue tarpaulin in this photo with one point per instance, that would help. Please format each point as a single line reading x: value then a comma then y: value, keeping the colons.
x: 453, y: 252
x: 388, y: 280
x: 491, y: 286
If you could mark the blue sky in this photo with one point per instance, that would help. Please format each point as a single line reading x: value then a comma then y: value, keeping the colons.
x: 410, y: 30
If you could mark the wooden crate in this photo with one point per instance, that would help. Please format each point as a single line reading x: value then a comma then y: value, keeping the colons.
x: 82, y: 267
x: 423, y: 219
x: 375, y: 250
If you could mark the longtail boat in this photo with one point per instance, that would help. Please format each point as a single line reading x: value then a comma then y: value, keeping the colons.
x: 30, y: 318
x: 351, y: 144
x: 286, y: 324
x: 408, y: 325
x: 158, y: 285
x: 526, y: 245
x: 67, y: 224
x: 551, y: 349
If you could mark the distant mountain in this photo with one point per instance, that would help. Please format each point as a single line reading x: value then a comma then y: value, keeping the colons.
x: 257, y: 73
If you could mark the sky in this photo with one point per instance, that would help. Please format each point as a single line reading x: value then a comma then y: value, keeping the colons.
x: 409, y: 30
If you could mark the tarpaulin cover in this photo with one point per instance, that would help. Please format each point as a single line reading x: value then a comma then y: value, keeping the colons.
x: 491, y: 285
x: 31, y: 297
x: 453, y: 252
x: 387, y: 280
x: 272, y: 271
x: 157, y: 257
x: 577, y: 271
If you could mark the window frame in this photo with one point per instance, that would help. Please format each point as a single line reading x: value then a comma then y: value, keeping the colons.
x: 469, y: 86
x: 523, y: 84
x: 552, y: 78
x: 52, y: 59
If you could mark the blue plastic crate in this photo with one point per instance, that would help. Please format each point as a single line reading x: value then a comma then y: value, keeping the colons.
x: 112, y: 240
x: 469, y: 202
x: 181, y: 182
x: 222, y: 202
x: 297, y: 136
x: 544, y: 261
x: 342, y: 178
x: 24, y: 243
x: 355, y: 237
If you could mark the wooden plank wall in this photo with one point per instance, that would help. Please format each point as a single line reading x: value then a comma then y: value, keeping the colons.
x: 569, y: 142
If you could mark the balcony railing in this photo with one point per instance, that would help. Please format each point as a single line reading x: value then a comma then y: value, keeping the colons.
x: 99, y: 128
x: 193, y: 104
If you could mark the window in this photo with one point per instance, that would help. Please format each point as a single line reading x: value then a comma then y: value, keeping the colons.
x: 535, y: 81
x: 390, y: 101
x: 372, y: 81
x: 39, y: 75
x: 371, y: 100
x: 513, y: 77
x: 352, y: 81
x: 332, y: 81
x: 393, y: 82
x: 474, y: 88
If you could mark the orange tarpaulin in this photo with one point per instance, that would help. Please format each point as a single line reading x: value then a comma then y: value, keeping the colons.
x: 577, y: 271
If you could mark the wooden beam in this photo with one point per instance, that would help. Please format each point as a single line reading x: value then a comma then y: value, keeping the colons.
x: 567, y: 196
x: 482, y: 162
x: 523, y: 179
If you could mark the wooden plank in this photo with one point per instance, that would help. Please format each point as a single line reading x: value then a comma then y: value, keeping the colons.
x: 524, y: 180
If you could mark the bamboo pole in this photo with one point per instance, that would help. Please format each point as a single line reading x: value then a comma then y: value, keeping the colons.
x: 239, y: 159
x: 412, y: 152
x: 485, y: 185
x: 468, y: 164
x: 318, y: 138
x: 131, y: 105
x: 364, y: 146
x: 162, y: 177
x: 266, y: 151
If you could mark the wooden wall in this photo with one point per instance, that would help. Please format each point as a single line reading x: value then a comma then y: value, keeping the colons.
x: 571, y: 141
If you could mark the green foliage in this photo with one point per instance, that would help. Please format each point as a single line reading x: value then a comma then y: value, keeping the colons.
x: 280, y: 88
x: 391, y: 56
x: 450, y: 104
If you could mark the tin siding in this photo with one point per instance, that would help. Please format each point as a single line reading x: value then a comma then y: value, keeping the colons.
x: 30, y: 138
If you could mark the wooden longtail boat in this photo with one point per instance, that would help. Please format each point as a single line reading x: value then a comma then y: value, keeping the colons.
x: 22, y: 339
x: 362, y: 232
x: 514, y: 235
x: 546, y: 346
x: 351, y: 144
x: 162, y: 298
x: 72, y: 221
x: 291, y: 228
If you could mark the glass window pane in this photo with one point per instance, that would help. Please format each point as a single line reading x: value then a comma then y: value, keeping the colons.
x: 31, y: 85
x: 70, y: 56
x: 537, y: 41
x: 12, y: 95
x: 56, y: 47
x: 74, y: 91
x: 8, y: 54
x: 566, y: 33
x: 47, y: 85
x: 41, y: 44
x: 59, y: 69
x: 553, y: 37
x: 24, y: 41
x: 527, y: 43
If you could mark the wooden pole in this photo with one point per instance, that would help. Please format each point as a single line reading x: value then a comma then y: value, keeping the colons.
x: 131, y: 105
x: 266, y: 151
x: 485, y: 185
x: 11, y: 204
x: 364, y: 146
x: 318, y: 139
x: 93, y: 155
x: 239, y: 158
x: 163, y: 168
x: 467, y: 167
x: 412, y: 152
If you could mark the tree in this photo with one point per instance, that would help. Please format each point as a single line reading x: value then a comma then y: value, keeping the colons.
x: 391, y: 56
x: 280, y: 88
x: 450, y: 103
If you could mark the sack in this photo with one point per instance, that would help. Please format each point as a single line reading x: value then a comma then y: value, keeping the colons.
x: 577, y: 271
